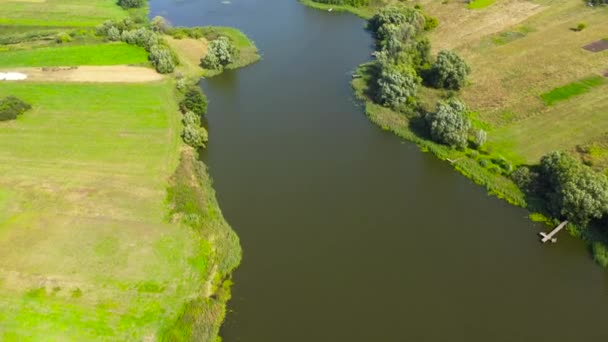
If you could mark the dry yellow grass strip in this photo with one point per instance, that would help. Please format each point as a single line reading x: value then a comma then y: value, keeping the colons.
x: 190, y: 51
x: 95, y: 74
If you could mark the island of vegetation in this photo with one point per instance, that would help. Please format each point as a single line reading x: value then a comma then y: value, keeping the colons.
x: 109, y: 226
x: 514, y: 94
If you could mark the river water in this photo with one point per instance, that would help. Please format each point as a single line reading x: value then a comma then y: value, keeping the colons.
x: 349, y: 233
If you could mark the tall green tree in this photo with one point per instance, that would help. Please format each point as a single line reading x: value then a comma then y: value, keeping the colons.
x: 450, y: 71
x: 449, y: 124
x: 574, y: 190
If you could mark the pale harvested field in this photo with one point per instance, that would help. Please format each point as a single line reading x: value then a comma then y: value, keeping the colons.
x: 191, y: 51
x: 94, y: 74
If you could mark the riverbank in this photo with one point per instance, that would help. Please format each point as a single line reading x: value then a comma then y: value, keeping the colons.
x: 520, y: 124
x: 109, y: 224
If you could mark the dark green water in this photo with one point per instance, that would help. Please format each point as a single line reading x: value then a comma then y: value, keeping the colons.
x: 350, y: 234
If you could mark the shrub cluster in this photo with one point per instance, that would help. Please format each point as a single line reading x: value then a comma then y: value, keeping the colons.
x: 221, y: 53
x: 126, y: 4
x: 194, y: 134
x: 404, y: 60
x: 193, y: 106
x: 11, y: 107
x: 194, y: 101
x: 161, y: 56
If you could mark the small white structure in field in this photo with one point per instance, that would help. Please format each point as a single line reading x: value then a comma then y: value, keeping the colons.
x: 12, y: 76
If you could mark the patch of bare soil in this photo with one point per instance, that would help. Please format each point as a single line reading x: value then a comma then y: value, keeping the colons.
x: 101, y: 74
x: 598, y: 46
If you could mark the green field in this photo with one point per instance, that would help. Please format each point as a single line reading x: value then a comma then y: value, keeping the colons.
x: 572, y: 89
x: 477, y: 4
x: 61, y: 13
x: 96, y: 54
x: 85, y: 248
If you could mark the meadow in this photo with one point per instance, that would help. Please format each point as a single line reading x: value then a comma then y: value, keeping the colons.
x: 85, y: 246
x: 75, y: 55
x: 60, y: 13
x: 532, y: 84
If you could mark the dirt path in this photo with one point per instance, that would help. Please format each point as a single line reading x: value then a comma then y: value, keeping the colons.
x: 102, y: 74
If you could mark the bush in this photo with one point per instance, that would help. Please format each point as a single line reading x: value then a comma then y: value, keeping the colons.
x: 162, y: 59
x: 113, y: 34
x: 194, y: 101
x: 581, y: 26
x: 160, y: 24
x: 525, y: 179
x: 126, y: 4
x: 480, y: 138
x: 11, y: 107
x: 430, y: 23
x: 63, y: 38
x: 450, y: 71
x: 449, y: 124
x: 600, y: 253
x: 194, y: 134
x: 221, y: 53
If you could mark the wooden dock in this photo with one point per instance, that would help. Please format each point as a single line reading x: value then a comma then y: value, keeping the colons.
x: 546, y: 237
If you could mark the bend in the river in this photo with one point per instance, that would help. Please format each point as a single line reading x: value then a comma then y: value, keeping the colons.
x: 350, y: 234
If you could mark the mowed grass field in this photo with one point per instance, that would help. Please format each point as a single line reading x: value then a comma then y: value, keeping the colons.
x: 519, y: 52
x: 63, y: 13
x: 85, y: 248
x: 94, y: 54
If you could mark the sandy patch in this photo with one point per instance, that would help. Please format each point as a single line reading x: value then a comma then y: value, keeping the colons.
x: 102, y: 74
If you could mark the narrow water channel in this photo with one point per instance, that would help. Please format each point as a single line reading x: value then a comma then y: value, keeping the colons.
x: 350, y: 234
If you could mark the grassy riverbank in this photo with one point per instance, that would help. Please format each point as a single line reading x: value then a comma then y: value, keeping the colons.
x: 533, y: 88
x: 109, y: 226
x: 191, y: 44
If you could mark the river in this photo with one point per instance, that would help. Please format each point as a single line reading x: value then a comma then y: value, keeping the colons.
x: 349, y: 233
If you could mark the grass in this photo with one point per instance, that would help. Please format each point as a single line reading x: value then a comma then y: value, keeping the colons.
x: 518, y: 51
x: 573, y: 89
x: 96, y: 54
x: 85, y: 248
x: 364, y: 12
x: 59, y: 13
x: 479, y: 4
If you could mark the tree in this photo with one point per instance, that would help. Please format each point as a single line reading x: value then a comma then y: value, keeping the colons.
x: 450, y: 71
x: 574, y: 190
x: 480, y: 138
x: 397, y: 15
x: 449, y: 124
x: 126, y: 4
x: 221, y: 53
x: 194, y: 134
x: 194, y: 100
x: 162, y: 59
x: 396, y: 86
